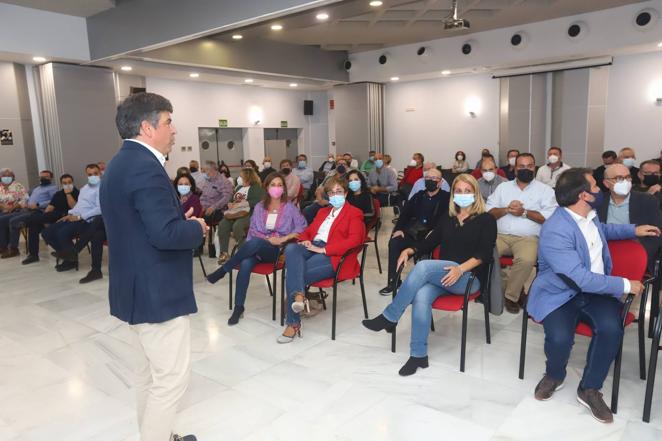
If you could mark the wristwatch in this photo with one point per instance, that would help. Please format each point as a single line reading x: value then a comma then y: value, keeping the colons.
x: 525, y: 213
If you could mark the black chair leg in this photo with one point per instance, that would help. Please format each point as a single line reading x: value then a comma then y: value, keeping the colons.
x: 379, y: 262
x: 652, y: 368
x: 230, y: 296
x: 655, y: 305
x: 617, y: 380
x: 522, y: 349
x: 273, y: 295
x: 432, y: 325
x: 365, y: 302
x: 322, y: 298
x: 641, y: 335
x: 271, y: 291
x: 488, y: 338
x: 333, y: 312
x: 202, y: 265
x: 463, y: 343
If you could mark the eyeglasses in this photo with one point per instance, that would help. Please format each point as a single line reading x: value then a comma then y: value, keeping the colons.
x: 336, y: 193
x: 621, y: 178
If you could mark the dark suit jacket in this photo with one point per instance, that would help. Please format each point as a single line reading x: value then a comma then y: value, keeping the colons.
x: 644, y: 210
x: 413, y: 206
x: 149, y: 240
x: 599, y: 176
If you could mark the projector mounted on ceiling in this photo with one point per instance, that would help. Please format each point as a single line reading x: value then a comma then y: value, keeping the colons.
x: 453, y: 22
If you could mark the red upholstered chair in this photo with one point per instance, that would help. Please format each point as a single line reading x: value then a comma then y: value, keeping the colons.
x: 453, y: 303
x: 374, y: 225
x: 629, y: 261
x: 333, y: 283
x: 506, y: 261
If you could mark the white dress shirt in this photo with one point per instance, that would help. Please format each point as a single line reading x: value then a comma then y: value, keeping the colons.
x: 594, y: 243
x: 325, y: 228
x: 536, y: 197
x: 158, y: 154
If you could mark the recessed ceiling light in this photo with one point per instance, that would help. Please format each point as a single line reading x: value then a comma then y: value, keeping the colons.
x: 445, y: 72
x: 322, y: 16
x: 38, y: 59
x: 248, y: 80
x: 395, y: 78
x: 237, y: 37
x: 658, y: 45
x: 194, y: 75
x: 294, y: 85
x: 376, y: 3
x: 126, y: 68
x: 276, y: 27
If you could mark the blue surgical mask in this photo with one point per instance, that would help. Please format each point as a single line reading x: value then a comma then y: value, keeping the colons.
x: 337, y: 200
x: 301, y: 164
x: 93, y: 180
x: 379, y: 163
x: 464, y: 200
x: 7, y: 180
x: 355, y: 185
x: 372, y: 158
x: 184, y: 189
x: 629, y: 162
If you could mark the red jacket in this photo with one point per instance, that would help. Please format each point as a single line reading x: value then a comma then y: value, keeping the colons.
x: 412, y: 174
x: 347, y: 232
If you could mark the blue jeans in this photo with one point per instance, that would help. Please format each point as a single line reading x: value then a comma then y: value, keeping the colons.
x: 603, y: 314
x: 420, y: 289
x: 303, y: 268
x: 5, y: 218
x: 251, y: 253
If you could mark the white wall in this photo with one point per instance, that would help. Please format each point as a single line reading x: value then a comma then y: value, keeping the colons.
x: 198, y: 104
x: 633, y: 118
x: 430, y: 117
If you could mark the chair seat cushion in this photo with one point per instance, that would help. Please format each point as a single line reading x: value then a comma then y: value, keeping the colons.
x: 585, y: 329
x: 452, y: 302
x: 506, y: 261
x: 328, y: 283
x: 264, y: 268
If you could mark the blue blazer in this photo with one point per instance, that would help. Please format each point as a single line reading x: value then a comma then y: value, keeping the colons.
x: 564, y: 264
x: 149, y: 240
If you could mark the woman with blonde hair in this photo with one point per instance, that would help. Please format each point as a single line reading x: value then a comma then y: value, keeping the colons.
x: 466, y: 238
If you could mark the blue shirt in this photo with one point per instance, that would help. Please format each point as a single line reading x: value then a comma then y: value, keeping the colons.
x: 88, y: 203
x: 42, y: 195
x: 419, y: 185
x: 619, y: 214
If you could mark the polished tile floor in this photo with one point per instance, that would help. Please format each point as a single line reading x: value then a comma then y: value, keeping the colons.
x: 66, y: 372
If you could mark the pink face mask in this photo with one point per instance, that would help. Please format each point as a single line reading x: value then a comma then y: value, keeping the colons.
x: 275, y: 192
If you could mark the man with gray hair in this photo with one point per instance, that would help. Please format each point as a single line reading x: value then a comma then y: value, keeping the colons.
x: 216, y: 193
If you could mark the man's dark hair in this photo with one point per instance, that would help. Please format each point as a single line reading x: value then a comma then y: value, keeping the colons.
x: 50, y: 173
x: 512, y: 150
x: 301, y: 155
x: 571, y: 184
x: 525, y: 155
x: 609, y: 154
x: 649, y: 162
x: 137, y: 108
x: 92, y: 166
x: 555, y: 148
x: 65, y: 176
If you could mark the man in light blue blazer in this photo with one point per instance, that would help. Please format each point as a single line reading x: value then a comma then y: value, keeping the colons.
x: 574, y: 284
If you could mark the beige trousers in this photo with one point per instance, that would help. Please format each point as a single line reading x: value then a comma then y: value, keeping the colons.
x: 164, y: 367
x: 524, y: 250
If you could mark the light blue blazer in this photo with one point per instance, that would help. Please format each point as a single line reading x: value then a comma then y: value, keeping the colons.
x: 565, y: 265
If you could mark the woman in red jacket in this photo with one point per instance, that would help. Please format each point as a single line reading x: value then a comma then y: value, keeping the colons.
x: 335, y: 230
x: 413, y: 172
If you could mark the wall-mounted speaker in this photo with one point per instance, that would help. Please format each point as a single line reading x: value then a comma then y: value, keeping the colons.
x: 577, y: 31
x: 645, y: 19
x: 383, y: 59
x: 307, y: 107
x: 466, y: 48
x: 347, y: 65
x: 519, y: 40
x: 516, y: 39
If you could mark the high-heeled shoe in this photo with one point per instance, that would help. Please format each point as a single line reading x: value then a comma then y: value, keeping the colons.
x: 237, y: 313
x: 379, y: 323
x: 216, y: 275
x: 412, y: 365
x: 283, y: 339
x: 300, y: 306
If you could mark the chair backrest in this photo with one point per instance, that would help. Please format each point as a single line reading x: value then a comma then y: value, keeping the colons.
x: 299, y: 197
x: 436, y: 252
x: 376, y: 217
x: 629, y: 259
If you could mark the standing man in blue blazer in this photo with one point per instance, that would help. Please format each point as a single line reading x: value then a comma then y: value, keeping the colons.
x: 574, y: 284
x: 150, y: 242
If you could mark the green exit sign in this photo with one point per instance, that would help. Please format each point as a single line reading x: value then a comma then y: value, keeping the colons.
x: 283, y: 124
x: 223, y: 123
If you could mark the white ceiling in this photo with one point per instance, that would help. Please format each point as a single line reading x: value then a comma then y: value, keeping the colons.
x: 355, y: 26
x: 79, y: 8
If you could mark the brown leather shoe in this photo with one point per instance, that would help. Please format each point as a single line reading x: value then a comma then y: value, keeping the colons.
x: 546, y: 388
x: 10, y: 252
x: 511, y: 307
x: 592, y: 399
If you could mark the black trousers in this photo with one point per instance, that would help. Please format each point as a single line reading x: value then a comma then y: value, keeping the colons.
x: 35, y: 224
x: 60, y: 236
x: 395, y: 246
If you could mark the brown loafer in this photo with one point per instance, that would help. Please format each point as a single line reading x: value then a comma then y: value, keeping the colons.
x: 546, y: 388
x: 592, y: 399
x: 511, y: 307
x: 223, y: 257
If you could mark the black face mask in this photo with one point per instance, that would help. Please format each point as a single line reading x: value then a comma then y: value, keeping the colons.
x: 525, y: 175
x: 650, y: 180
x: 286, y: 170
x: 193, y: 169
x: 431, y: 185
x: 341, y: 169
x: 45, y: 181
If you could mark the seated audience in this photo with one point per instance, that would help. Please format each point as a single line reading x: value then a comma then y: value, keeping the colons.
x: 11, y: 224
x: 84, y: 221
x: 550, y: 172
x: 216, y: 193
x: 477, y: 173
x: 351, y: 162
x: 387, y: 163
x: 267, y: 169
x: 466, y: 240
x: 520, y: 207
x: 369, y: 163
x: 225, y: 171
x: 420, y: 184
x: 461, y: 165
x: 275, y: 221
x: 189, y: 195
x: 59, y: 205
x: 292, y: 182
x: 627, y: 157
x: 382, y: 181
x: 359, y: 195
x: 305, y: 174
x: 334, y: 231
x: 194, y: 168
x: 608, y: 158
x: 490, y: 179
x: 102, y: 167
x: 574, y: 284
x: 12, y: 195
x: 649, y: 178
x: 413, y: 172
x: 624, y: 207
x: 328, y: 165
x: 321, y: 198
x: 236, y: 218
x: 249, y: 163
x: 182, y: 171
x: 485, y: 153
x: 509, y: 169
x: 417, y: 218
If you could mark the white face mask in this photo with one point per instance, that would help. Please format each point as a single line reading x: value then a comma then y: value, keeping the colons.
x: 267, y: 164
x: 512, y: 160
x: 412, y: 163
x: 553, y: 159
x: 489, y: 176
x: 622, y: 188
x: 629, y: 162
x: 240, y: 181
